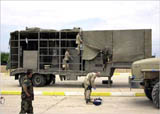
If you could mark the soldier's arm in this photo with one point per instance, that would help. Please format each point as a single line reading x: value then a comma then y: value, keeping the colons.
x: 92, y: 82
x: 70, y: 56
x: 25, y: 90
x: 80, y: 39
x: 77, y: 38
x: 67, y: 54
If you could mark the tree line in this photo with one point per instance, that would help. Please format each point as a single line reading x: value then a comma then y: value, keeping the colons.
x: 4, y: 58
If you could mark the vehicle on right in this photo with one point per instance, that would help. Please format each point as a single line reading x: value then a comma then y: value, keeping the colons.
x: 146, y: 74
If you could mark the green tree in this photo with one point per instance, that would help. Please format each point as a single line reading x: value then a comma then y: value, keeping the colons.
x: 4, y: 58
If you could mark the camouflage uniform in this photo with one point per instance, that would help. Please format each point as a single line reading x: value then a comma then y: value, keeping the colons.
x: 88, y: 84
x: 78, y: 42
x: 26, y: 104
x: 67, y: 56
x: 107, y: 56
x: 66, y: 60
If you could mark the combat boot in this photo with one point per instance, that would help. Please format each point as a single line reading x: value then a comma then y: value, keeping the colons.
x: 88, y: 101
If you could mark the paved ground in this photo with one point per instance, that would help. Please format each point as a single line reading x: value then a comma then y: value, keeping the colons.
x: 76, y: 105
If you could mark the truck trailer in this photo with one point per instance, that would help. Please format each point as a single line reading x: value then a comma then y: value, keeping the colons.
x: 43, y: 50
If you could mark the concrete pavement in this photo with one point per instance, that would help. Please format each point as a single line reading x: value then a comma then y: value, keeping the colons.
x: 76, y: 105
x: 118, y: 99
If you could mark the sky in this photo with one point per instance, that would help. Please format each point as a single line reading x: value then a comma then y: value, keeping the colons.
x: 89, y: 15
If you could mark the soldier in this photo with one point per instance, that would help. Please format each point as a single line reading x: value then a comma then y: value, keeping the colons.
x: 107, y: 56
x: 78, y: 42
x: 89, y: 84
x: 66, y: 59
x: 27, y: 94
x: 63, y: 64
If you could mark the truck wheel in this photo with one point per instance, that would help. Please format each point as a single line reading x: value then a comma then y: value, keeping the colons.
x: 155, y: 94
x: 148, y: 92
x: 48, y: 82
x: 21, y: 78
x: 38, y: 80
x: 51, y: 80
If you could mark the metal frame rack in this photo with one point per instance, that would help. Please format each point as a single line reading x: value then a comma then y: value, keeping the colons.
x: 50, y: 45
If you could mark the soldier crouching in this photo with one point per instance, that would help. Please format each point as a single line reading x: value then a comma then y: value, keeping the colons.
x: 27, y: 94
x: 89, y: 84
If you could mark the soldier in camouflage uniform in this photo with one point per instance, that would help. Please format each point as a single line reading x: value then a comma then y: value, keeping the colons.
x: 27, y: 94
x: 89, y: 84
x: 67, y: 58
x: 78, y: 42
x: 107, y: 56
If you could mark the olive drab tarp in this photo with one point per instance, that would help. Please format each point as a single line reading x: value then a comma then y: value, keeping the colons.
x: 128, y: 45
x: 125, y: 45
x: 94, y: 42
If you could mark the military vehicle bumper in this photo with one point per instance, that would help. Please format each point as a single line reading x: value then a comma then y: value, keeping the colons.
x: 134, y: 83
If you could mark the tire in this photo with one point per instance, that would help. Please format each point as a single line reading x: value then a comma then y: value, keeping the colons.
x: 148, y: 92
x: 48, y: 82
x: 38, y: 80
x: 21, y: 78
x: 155, y: 95
x: 51, y: 80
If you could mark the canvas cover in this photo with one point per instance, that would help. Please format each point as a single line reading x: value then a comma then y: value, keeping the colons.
x: 125, y: 45
x: 94, y: 42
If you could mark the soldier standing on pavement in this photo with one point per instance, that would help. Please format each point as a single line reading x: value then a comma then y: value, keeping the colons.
x: 27, y: 94
x: 89, y: 84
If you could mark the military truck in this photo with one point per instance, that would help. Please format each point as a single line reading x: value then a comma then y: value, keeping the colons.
x: 146, y: 74
x: 43, y: 50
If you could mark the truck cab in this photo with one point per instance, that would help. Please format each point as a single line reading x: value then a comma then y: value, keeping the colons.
x: 146, y: 74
